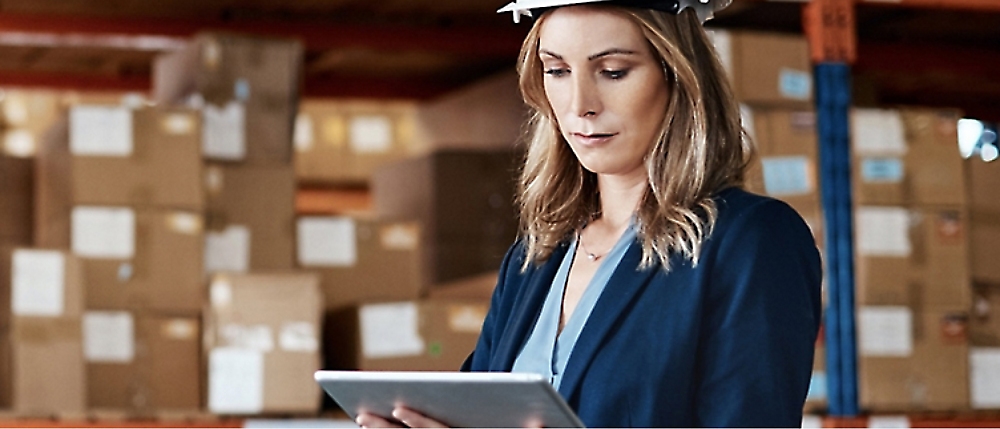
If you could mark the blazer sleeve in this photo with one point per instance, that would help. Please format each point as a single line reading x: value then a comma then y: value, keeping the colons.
x: 760, y: 321
x: 479, y: 359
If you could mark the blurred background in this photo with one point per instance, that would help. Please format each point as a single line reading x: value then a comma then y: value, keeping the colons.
x: 202, y: 202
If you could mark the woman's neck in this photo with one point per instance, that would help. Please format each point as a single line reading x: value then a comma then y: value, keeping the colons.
x: 620, y: 197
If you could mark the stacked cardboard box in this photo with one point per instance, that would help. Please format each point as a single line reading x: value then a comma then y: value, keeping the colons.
x: 262, y: 339
x: 24, y: 116
x: 913, y: 282
x: 767, y: 68
x: 984, y: 320
x: 16, y: 200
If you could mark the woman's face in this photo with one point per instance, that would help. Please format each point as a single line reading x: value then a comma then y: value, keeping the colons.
x: 604, y: 85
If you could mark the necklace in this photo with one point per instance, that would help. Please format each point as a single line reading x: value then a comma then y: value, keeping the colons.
x: 591, y: 256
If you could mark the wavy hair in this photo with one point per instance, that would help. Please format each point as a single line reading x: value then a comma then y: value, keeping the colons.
x: 701, y: 149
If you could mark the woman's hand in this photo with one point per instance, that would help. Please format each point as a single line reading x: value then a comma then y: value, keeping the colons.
x: 406, y: 416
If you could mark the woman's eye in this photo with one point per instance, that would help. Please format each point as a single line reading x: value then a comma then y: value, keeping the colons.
x: 556, y: 72
x: 615, y: 74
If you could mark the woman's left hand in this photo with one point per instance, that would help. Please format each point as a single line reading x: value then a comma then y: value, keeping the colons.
x: 408, y: 417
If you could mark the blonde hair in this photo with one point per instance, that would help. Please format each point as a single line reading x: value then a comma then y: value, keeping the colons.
x: 701, y: 149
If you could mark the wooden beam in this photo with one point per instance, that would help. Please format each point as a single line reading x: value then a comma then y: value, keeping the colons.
x: 462, y: 40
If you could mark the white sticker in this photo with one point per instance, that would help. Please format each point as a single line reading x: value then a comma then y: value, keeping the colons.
x: 103, y: 232
x: 883, y: 231
x: 984, y: 372
x: 399, y: 237
x: 327, y: 242
x: 298, y: 337
x: 184, y: 223
x: 878, y: 132
x: 108, y: 337
x: 882, y: 170
x: 466, y: 318
x: 253, y: 337
x: 235, y: 381
x: 224, y: 132
x: 888, y: 422
x: 228, y: 251
x: 795, y: 84
x: 178, y: 124
x: 303, y: 136
x: 787, y: 175
x: 885, y: 331
x: 38, y: 284
x: 221, y: 292
x: 100, y: 131
x: 390, y: 330
x: 371, y: 134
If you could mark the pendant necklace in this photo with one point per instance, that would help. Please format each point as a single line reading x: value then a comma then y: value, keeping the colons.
x: 591, y: 256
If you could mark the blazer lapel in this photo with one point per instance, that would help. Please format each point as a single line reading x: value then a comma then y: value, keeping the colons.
x: 527, y: 308
x: 623, y: 286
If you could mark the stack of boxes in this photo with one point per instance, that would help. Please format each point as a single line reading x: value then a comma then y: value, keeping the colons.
x: 913, y: 282
x: 983, y: 180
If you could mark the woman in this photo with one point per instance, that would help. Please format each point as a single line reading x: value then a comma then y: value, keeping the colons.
x: 647, y: 285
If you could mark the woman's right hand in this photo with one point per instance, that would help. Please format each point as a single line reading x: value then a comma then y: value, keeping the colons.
x: 406, y: 416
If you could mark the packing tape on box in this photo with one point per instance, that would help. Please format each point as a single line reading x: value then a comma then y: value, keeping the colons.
x: 180, y: 124
x: 179, y: 329
x: 400, y: 236
x: 185, y: 223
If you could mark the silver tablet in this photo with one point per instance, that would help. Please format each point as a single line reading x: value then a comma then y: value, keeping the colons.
x: 458, y: 399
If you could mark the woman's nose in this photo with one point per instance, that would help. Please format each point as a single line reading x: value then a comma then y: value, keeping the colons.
x: 586, y: 100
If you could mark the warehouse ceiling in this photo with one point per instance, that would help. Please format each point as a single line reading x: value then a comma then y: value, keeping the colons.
x: 425, y: 48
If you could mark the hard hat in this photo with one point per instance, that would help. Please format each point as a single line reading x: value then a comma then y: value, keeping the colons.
x: 704, y: 8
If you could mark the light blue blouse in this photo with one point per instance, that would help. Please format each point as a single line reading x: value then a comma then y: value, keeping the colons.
x: 547, y: 353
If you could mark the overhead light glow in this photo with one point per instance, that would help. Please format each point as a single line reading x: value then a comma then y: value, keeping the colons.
x: 970, y: 131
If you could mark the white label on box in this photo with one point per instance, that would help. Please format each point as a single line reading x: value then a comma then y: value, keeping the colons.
x: 235, y: 381
x: 795, y: 84
x: 38, y: 283
x: 221, y: 292
x: 100, y: 131
x: 883, y: 231
x: 327, y: 242
x: 180, y: 124
x: 253, y: 337
x: 184, y: 223
x: 747, y: 118
x: 224, y: 132
x: 878, y: 132
x: 298, y: 337
x: 180, y: 329
x: 228, y: 251
x: 466, y: 318
x: 984, y: 371
x: 888, y: 422
x: 787, y: 175
x: 108, y: 337
x: 723, y: 42
x: 390, y: 330
x: 304, y: 133
x: 103, y: 232
x: 399, y: 237
x: 371, y: 134
x: 885, y: 331
x: 882, y: 170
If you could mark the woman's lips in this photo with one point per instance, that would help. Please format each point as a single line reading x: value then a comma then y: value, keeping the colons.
x: 593, y: 139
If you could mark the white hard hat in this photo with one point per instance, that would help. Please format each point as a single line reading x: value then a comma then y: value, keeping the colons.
x: 704, y: 8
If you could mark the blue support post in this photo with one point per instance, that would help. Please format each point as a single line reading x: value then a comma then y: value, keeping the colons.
x: 833, y: 103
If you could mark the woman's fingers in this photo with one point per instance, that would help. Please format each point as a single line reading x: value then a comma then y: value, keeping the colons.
x: 414, y: 419
x: 368, y: 420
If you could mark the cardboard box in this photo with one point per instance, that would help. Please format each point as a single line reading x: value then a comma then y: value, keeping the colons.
x: 912, y: 361
x: 362, y: 260
x: 464, y: 199
x: 251, y: 218
x: 343, y: 143
x: 907, y: 156
x: 40, y: 283
x: 262, y: 336
x: 478, y: 287
x: 47, y: 368
x: 425, y: 335
x: 984, y: 212
x: 142, y: 364
x: 53, y: 185
x: 25, y: 115
x: 141, y: 259
x: 247, y: 88
x: 17, y: 176
x: 767, y: 68
x: 148, y: 157
x: 984, y: 318
x: 916, y: 257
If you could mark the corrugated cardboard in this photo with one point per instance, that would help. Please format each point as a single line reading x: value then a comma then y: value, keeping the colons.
x: 47, y: 365
x: 163, y: 376
x: 165, y: 274
x: 425, y: 335
x: 261, y: 76
x: 934, y: 376
x: 260, y: 199
x: 53, y: 200
x: 464, y: 199
x: 787, y: 148
x: 984, y: 211
x: 767, y: 68
x: 924, y: 168
x: 919, y: 259
x: 17, y: 176
x: 984, y: 318
x: 268, y: 327
x: 163, y: 170
x: 362, y: 260
x: 479, y: 287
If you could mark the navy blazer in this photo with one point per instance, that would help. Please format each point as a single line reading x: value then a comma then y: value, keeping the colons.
x: 728, y: 342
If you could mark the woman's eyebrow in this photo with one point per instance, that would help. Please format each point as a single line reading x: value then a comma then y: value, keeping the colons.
x: 609, y: 52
